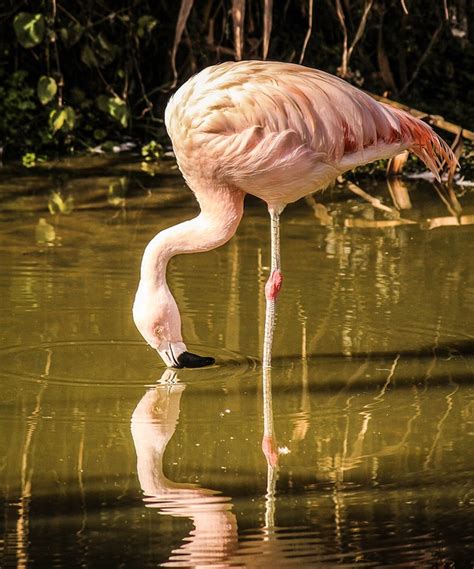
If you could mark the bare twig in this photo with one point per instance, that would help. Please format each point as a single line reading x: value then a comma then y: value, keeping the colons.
x: 69, y: 15
x: 309, y: 31
x: 421, y: 61
x: 108, y: 86
x: 396, y: 163
x: 342, y: 21
x: 360, y: 29
x: 58, y: 70
x: 347, y: 51
x: 149, y: 104
x: 446, y: 11
x: 399, y: 193
x: 56, y: 58
x: 320, y: 211
x: 450, y: 200
x: 374, y: 202
x: 382, y: 59
x: 238, y: 17
x: 183, y: 15
x: 457, y: 146
x: 404, y: 7
x: 267, y: 26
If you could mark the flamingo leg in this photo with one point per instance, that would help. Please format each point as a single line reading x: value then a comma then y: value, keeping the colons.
x: 272, y: 287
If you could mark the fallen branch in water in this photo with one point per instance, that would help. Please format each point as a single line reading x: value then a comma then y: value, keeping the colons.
x: 374, y: 202
x: 396, y: 163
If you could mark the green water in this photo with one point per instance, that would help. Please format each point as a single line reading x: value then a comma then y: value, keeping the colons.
x: 108, y: 460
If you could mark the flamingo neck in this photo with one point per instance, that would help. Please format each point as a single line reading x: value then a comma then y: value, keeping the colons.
x: 221, y: 212
x: 162, y: 248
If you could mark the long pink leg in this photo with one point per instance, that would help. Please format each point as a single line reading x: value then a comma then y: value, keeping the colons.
x: 272, y: 287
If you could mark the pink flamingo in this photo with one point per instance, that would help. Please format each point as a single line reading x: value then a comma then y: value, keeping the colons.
x: 278, y: 131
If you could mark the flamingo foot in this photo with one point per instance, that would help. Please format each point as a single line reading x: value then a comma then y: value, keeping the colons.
x: 273, y: 285
x: 270, y: 449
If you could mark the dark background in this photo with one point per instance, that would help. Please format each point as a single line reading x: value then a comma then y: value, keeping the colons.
x: 112, y: 61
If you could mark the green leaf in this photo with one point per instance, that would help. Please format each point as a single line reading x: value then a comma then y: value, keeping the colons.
x: 64, y: 35
x: 70, y: 117
x: 56, y: 119
x: 104, y: 43
x: 115, y: 107
x: 146, y: 25
x: 152, y: 151
x: 28, y: 159
x: 57, y: 204
x: 46, y: 89
x: 72, y: 34
x: 117, y: 191
x: 62, y: 119
x: 88, y: 57
x: 78, y: 96
x: 103, y: 103
x: 118, y: 110
x: 99, y: 134
x: 29, y: 28
x: 105, y: 51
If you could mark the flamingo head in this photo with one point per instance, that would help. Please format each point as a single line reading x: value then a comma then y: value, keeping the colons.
x: 157, y: 318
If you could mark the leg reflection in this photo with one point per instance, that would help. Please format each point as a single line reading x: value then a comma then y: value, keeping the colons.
x: 270, y: 450
x: 269, y: 441
x: 154, y: 421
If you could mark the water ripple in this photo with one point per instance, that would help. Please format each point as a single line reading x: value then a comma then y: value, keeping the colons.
x: 107, y: 363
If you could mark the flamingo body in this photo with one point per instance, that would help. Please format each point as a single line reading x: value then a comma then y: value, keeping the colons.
x: 278, y: 131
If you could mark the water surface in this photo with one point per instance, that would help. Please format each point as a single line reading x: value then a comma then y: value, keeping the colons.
x: 107, y: 459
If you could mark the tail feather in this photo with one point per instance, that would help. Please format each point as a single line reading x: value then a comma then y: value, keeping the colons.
x: 427, y: 145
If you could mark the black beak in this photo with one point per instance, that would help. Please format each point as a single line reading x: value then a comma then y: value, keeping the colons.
x: 187, y: 359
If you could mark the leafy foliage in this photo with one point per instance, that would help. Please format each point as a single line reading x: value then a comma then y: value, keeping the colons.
x: 115, y: 107
x: 77, y: 75
x: 46, y: 89
x: 29, y: 28
x: 23, y: 124
x: 62, y: 118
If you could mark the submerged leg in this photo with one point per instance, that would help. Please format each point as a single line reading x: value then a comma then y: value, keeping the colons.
x: 273, y: 286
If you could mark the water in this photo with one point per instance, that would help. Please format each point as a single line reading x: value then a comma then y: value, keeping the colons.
x: 109, y: 460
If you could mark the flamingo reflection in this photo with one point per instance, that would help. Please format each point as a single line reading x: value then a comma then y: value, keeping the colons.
x: 214, y: 537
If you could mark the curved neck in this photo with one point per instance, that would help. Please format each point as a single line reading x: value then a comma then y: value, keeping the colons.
x: 221, y: 212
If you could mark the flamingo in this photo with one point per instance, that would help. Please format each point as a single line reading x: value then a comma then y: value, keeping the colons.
x: 278, y: 131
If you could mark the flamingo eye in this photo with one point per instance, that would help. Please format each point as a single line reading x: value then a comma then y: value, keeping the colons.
x: 158, y: 330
